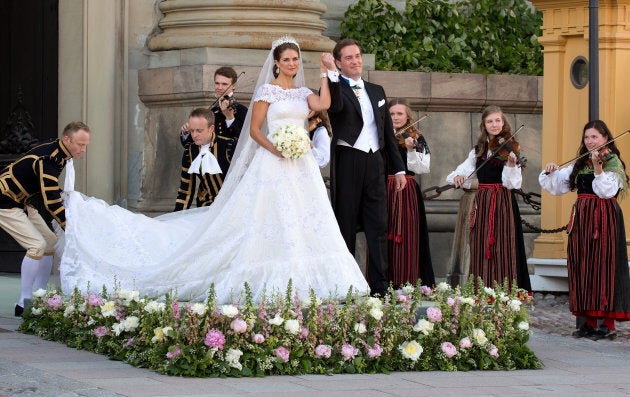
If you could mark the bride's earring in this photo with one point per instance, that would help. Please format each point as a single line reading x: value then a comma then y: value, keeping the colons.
x: 277, y: 70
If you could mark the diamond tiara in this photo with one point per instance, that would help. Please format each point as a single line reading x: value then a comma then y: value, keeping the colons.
x: 282, y: 40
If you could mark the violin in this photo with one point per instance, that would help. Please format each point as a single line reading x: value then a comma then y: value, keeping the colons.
x: 501, y: 147
x: 410, y: 131
x: 604, y: 155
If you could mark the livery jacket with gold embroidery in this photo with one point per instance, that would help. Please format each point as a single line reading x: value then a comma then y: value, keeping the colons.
x: 209, y: 184
x: 225, y: 138
x: 36, y: 172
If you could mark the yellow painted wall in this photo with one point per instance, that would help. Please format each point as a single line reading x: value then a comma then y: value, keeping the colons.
x: 565, y: 107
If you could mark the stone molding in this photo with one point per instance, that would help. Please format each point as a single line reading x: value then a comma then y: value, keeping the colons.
x: 250, y: 24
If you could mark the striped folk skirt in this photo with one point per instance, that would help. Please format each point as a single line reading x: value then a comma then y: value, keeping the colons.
x: 497, y: 249
x: 597, y: 259
x: 408, y: 237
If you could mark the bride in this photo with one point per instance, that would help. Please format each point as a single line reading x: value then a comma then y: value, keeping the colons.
x: 271, y: 222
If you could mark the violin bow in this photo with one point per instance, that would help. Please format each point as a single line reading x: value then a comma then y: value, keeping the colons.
x: 440, y: 189
x: 400, y: 131
x: 589, y: 151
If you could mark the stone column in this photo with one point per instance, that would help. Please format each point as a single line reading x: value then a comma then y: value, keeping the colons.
x: 239, y: 24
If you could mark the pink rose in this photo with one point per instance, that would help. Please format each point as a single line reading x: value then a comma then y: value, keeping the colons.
x: 304, y: 333
x: 465, y: 343
x: 448, y: 349
x: 283, y: 353
x: 494, y: 352
x: 323, y: 351
x: 100, y: 332
x: 450, y: 301
x: 258, y: 338
x: 55, y: 302
x: 349, y: 352
x: 434, y: 314
x: 238, y: 325
x: 374, y: 352
x: 95, y: 300
x: 425, y: 290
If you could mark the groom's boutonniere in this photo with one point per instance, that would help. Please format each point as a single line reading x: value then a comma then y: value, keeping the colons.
x: 381, y: 103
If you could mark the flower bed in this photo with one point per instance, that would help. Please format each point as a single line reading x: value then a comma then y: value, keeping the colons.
x: 415, y: 328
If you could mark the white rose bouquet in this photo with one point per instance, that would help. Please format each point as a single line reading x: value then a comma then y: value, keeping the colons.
x: 292, y: 141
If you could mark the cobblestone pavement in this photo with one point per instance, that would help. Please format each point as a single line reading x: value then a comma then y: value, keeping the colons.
x: 550, y: 314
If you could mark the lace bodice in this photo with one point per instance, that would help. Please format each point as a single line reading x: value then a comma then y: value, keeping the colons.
x: 285, y: 106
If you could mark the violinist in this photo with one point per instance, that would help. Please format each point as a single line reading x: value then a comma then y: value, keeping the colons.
x: 408, y: 236
x: 229, y: 116
x: 597, y: 259
x: 497, y: 248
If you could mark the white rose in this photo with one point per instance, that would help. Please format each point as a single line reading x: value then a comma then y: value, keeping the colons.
x: 69, y: 310
x: 40, y: 293
x: 490, y: 291
x: 479, y: 337
x: 377, y: 313
x: 374, y: 302
x: 154, y: 307
x: 292, y: 326
x: 36, y: 311
x: 360, y: 328
x: 411, y: 350
x: 277, y: 320
x: 443, y: 287
x: 523, y: 325
x: 131, y: 323
x: 408, y: 289
x: 108, y: 309
x: 515, y: 305
x: 229, y: 310
x: 467, y: 301
x: 198, y: 308
x: 423, y: 326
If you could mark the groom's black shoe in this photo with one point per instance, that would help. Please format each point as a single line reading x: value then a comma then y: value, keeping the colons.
x: 18, y: 311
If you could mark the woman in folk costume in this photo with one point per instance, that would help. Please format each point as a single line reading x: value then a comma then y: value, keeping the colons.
x: 497, y: 249
x: 597, y: 258
x: 408, y: 235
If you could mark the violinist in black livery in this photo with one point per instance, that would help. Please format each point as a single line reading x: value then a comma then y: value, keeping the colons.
x: 408, y: 236
x: 497, y: 248
x: 597, y: 259
x: 229, y: 116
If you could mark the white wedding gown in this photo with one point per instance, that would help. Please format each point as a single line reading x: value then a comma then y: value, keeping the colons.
x: 276, y: 225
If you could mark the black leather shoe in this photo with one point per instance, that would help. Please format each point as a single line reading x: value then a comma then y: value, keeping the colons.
x: 584, y: 331
x: 18, y: 311
x: 603, y: 333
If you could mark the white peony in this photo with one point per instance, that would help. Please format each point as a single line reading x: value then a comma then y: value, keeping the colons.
x: 292, y: 326
x: 198, y: 308
x: 423, y: 326
x: 229, y: 310
x: 411, y: 350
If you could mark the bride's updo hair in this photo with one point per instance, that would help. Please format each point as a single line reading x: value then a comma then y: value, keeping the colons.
x: 279, y: 49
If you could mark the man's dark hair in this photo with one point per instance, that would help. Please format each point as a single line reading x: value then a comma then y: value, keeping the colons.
x: 226, y: 71
x: 344, y: 43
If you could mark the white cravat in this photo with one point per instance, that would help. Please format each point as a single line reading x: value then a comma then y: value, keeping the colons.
x: 205, y: 162
x: 68, y: 184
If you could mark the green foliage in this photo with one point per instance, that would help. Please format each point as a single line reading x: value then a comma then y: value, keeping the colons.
x: 479, y: 36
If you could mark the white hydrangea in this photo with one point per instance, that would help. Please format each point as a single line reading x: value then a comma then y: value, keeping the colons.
x: 292, y: 326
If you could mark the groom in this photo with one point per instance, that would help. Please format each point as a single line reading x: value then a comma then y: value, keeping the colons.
x: 36, y: 173
x: 363, y: 138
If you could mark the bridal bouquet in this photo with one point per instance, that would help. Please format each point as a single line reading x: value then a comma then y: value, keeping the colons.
x: 292, y: 141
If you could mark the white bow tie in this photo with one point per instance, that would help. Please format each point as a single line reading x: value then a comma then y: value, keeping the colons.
x: 205, y: 162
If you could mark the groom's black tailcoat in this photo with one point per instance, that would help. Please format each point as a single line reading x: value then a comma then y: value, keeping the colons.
x: 358, y: 179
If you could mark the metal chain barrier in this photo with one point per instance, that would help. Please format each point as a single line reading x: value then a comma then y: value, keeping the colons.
x: 535, y: 204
